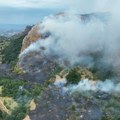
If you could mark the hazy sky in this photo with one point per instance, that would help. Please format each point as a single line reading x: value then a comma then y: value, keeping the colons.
x: 28, y: 11
x: 32, y: 11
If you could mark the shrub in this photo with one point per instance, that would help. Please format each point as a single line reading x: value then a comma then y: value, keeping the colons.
x: 10, y: 87
x: 103, y: 72
x: 56, y: 70
x: 10, y: 53
x: 73, y: 77
x: 18, y: 114
x: 36, y: 90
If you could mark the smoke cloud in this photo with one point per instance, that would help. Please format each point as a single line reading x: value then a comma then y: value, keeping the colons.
x: 107, y: 86
x: 89, y: 30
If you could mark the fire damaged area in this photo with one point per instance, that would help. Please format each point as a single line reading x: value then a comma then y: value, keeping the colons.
x: 80, y: 71
x: 82, y: 101
x: 54, y: 105
x: 66, y: 67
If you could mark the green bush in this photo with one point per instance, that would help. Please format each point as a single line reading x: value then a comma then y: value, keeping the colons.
x: 36, y: 90
x: 10, y: 87
x: 18, y: 114
x: 11, y: 52
x: 73, y: 77
x: 103, y: 72
x: 1, y: 115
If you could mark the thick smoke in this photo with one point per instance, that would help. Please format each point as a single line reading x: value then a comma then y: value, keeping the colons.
x: 81, y: 39
x: 87, y: 33
x: 72, y: 39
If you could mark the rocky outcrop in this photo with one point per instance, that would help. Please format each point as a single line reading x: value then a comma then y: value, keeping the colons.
x: 32, y: 36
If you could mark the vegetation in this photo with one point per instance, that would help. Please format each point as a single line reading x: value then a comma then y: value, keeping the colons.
x: 102, y: 73
x: 36, y: 90
x: 57, y: 70
x: 18, y: 114
x: 112, y: 108
x: 11, y: 52
x: 16, y: 89
x: 10, y: 88
x: 73, y: 77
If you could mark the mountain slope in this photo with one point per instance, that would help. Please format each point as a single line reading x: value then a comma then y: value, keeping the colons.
x: 67, y: 67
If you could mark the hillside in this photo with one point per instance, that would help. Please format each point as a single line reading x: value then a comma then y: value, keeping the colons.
x: 60, y: 69
x: 3, y: 43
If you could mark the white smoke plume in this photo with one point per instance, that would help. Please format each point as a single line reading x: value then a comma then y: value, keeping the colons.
x: 73, y: 39
x: 70, y: 37
x: 60, y: 82
x: 33, y: 47
x: 107, y: 86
